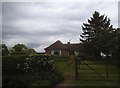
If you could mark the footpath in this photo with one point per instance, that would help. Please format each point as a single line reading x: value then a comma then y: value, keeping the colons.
x: 68, y: 82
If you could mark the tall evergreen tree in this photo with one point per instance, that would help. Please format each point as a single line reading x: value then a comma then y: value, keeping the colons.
x: 96, y: 33
x: 115, y: 50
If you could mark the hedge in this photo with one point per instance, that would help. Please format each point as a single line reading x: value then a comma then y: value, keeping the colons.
x: 24, y: 68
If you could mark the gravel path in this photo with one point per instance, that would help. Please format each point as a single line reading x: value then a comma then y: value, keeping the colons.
x: 68, y: 81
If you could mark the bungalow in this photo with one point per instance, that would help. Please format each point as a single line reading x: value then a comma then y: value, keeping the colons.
x: 58, y: 48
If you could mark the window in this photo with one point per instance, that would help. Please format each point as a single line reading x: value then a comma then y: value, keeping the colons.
x: 56, y: 52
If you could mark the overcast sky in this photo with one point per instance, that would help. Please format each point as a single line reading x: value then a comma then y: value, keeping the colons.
x: 39, y: 24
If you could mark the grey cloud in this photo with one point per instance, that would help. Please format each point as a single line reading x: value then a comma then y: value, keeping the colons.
x: 40, y: 24
x: 119, y: 14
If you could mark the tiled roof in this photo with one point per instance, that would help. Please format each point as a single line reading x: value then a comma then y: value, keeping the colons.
x: 71, y: 47
x: 57, y: 45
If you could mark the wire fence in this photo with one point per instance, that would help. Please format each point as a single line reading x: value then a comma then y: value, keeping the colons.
x: 98, y: 70
x: 90, y: 69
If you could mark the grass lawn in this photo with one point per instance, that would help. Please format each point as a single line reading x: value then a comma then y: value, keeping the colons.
x: 96, y: 83
x: 87, y: 77
x: 64, y: 64
x: 61, y: 66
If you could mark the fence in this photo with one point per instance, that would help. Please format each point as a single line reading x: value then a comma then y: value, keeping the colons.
x: 98, y: 70
x: 90, y: 69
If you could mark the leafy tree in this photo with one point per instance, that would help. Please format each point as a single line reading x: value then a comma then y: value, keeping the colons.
x: 5, y: 50
x: 31, y: 51
x: 21, y: 49
x: 96, y: 34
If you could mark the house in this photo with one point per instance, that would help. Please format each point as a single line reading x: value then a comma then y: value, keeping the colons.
x: 58, y: 48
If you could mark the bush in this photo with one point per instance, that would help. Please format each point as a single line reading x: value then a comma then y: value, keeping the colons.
x: 9, y: 64
x: 54, y: 78
x: 57, y: 77
x: 17, y: 68
x: 16, y: 65
x: 42, y: 83
x: 15, y: 82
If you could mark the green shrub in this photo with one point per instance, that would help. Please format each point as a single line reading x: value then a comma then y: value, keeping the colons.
x: 15, y: 82
x: 42, y: 83
x: 26, y: 64
x: 57, y: 78
x: 37, y: 67
x: 9, y: 64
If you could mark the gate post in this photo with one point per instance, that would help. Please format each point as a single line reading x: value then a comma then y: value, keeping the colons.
x: 76, y: 66
x: 107, y: 59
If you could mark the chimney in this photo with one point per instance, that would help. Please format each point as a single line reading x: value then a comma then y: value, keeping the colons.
x: 68, y: 42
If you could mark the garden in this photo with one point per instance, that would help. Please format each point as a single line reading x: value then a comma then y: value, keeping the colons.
x: 29, y: 71
x: 43, y: 70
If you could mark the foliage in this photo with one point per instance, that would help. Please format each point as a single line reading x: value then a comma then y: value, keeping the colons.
x: 51, y: 79
x: 15, y: 82
x: 97, y: 34
x: 25, y: 64
x: 115, y: 50
x: 18, y: 49
x: 42, y: 83
x: 40, y: 66
x: 5, y: 50
x: 57, y: 76
x: 21, y: 49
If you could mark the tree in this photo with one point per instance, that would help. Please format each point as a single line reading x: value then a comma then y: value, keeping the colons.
x: 31, y: 51
x: 5, y: 50
x: 115, y: 50
x: 21, y: 49
x: 118, y: 48
x: 96, y: 34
